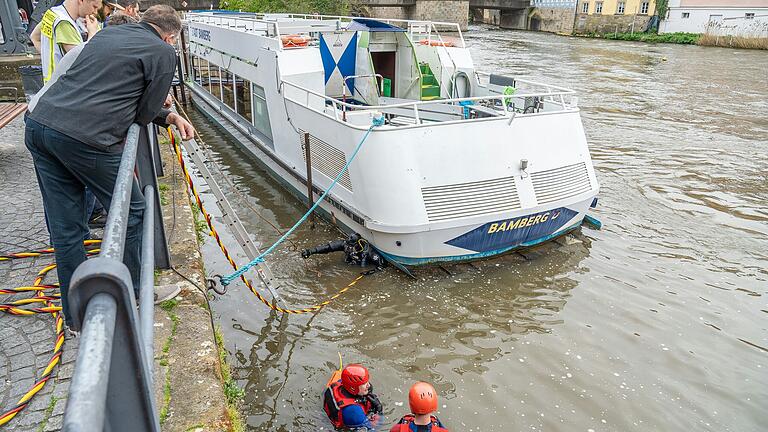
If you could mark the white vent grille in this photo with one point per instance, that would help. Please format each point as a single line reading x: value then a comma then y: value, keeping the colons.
x: 470, y: 199
x: 560, y: 183
x: 326, y: 158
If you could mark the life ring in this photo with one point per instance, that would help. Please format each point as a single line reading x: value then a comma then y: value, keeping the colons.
x: 294, y: 40
x: 436, y: 43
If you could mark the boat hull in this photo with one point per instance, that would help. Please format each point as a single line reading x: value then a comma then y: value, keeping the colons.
x: 413, y: 246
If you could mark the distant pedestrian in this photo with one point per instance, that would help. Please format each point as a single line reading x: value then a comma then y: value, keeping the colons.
x: 59, y: 31
x: 422, y: 399
x: 129, y: 7
x: 76, y: 132
x: 119, y: 18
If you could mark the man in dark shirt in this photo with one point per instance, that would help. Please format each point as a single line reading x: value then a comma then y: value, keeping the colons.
x: 76, y: 132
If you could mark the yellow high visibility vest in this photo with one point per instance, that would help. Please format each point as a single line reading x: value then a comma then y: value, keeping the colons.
x: 50, y: 50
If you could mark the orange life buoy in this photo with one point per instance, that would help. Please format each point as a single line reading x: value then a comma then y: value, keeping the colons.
x: 436, y: 43
x: 295, y: 40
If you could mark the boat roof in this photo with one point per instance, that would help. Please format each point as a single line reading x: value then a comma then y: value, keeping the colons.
x: 371, y: 25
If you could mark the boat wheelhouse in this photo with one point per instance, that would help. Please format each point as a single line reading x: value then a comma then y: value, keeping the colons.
x: 466, y: 165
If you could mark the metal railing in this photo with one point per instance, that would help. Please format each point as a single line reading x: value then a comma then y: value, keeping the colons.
x: 270, y: 25
x: 112, y: 386
x: 501, y: 106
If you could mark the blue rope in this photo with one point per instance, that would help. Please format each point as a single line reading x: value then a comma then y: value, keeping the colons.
x: 226, y: 280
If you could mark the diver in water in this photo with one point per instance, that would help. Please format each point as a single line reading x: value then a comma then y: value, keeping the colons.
x: 423, y: 401
x: 350, y: 402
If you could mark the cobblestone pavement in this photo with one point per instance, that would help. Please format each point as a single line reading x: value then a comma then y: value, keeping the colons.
x: 26, y: 342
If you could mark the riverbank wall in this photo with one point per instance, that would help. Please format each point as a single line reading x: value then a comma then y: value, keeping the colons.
x: 189, y: 373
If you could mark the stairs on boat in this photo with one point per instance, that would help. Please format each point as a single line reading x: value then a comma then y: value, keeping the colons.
x: 430, y: 86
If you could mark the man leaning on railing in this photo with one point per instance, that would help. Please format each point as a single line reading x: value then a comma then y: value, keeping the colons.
x: 76, y: 132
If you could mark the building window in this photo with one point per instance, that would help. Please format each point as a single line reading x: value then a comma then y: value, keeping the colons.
x: 749, y: 16
x: 260, y: 112
x: 243, y: 98
x: 585, y: 7
x: 598, y: 7
x: 620, y: 8
x: 644, y: 8
x: 686, y: 15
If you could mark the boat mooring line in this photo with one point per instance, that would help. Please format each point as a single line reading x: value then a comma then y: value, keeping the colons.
x: 225, y: 251
x: 226, y: 280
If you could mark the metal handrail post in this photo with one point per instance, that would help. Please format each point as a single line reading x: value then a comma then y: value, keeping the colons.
x: 154, y: 145
x: 146, y: 169
x: 147, y: 301
x: 86, y: 405
x: 117, y: 219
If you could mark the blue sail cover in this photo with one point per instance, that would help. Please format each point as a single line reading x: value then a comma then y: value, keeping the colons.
x: 366, y: 24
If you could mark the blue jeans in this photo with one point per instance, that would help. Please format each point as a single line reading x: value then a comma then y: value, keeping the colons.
x: 65, y: 167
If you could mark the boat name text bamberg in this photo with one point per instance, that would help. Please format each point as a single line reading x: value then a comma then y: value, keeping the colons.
x: 201, y: 34
x: 522, y: 222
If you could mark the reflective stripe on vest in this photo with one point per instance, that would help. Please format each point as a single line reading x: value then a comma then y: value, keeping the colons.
x: 50, y: 51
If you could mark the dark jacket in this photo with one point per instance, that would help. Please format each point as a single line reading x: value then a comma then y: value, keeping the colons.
x: 121, y: 77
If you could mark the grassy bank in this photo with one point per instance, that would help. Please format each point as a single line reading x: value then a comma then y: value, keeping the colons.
x: 676, y: 38
x: 734, y: 41
x: 686, y: 39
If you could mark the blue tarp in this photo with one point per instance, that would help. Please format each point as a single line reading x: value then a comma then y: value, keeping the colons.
x: 365, y: 24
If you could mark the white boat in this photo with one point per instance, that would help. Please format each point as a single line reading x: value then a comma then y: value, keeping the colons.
x: 466, y: 165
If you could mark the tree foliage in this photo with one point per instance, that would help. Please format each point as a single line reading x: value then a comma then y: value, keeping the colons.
x: 323, y: 7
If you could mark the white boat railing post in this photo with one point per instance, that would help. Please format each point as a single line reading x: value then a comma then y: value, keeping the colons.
x: 416, y: 113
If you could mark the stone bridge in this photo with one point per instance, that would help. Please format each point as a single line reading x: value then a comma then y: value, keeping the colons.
x: 513, y: 13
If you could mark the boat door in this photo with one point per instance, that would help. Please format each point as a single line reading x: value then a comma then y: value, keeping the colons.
x: 385, y: 64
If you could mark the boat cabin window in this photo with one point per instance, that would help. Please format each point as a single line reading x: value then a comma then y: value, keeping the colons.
x: 227, y: 85
x: 200, y: 70
x: 214, y: 83
x: 243, y: 98
x: 260, y: 112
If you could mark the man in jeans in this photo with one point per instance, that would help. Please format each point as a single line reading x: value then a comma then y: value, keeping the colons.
x: 76, y: 132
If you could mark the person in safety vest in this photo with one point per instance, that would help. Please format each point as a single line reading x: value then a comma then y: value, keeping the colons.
x: 350, y: 402
x: 59, y: 31
x: 423, y: 401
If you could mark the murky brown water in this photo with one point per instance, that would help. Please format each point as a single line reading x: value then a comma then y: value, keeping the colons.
x: 659, y: 322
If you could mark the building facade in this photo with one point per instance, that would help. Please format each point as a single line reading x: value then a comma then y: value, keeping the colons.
x: 609, y: 16
x: 555, y: 16
x: 746, y: 18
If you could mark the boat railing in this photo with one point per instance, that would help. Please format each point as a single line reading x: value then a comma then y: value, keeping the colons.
x: 243, y: 22
x: 443, y: 111
x: 270, y: 25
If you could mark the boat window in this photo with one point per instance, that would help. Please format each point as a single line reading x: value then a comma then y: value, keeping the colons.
x: 203, y: 77
x: 243, y: 98
x: 195, y: 61
x: 260, y: 112
x: 228, y: 89
x: 214, y: 85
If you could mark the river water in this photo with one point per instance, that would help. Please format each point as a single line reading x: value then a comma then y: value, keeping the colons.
x: 659, y: 321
